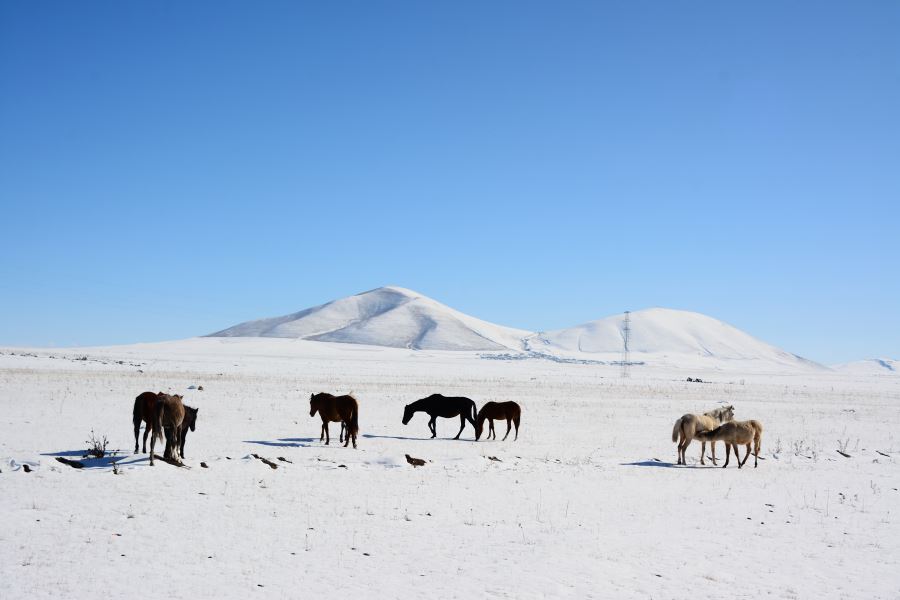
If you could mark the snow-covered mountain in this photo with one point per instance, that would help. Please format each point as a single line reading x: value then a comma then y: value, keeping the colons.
x: 401, y: 318
x: 387, y: 316
x: 663, y: 335
x: 870, y: 366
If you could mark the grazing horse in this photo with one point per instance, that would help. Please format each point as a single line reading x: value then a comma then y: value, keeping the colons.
x: 510, y: 411
x: 437, y: 405
x: 144, y: 407
x: 167, y: 416
x: 733, y: 434
x: 336, y: 408
x: 689, y: 425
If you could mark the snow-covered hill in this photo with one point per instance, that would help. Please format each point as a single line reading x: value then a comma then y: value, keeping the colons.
x: 401, y: 318
x: 388, y: 316
x: 870, y: 366
x: 664, y: 335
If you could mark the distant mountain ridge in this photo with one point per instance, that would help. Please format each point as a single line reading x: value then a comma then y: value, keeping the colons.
x: 870, y: 366
x: 401, y: 318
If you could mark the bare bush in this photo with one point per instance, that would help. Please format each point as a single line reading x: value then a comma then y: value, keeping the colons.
x: 96, y: 445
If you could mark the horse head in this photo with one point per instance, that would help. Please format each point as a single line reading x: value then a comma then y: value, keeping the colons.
x: 313, y: 405
x: 727, y: 413
x: 407, y: 413
x: 190, y: 417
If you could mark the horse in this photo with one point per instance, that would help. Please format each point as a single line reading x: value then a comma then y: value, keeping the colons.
x: 510, y: 411
x: 189, y: 423
x: 437, y: 405
x: 144, y: 406
x: 734, y: 433
x: 688, y: 426
x: 168, y: 416
x: 336, y: 408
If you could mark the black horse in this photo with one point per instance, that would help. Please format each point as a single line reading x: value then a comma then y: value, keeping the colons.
x: 442, y: 406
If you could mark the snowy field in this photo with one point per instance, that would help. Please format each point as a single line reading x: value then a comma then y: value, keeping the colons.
x: 586, y: 504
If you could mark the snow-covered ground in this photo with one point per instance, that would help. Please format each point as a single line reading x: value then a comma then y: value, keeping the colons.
x: 586, y: 504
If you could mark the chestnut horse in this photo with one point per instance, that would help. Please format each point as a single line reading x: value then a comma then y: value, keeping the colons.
x: 336, y: 408
x: 144, y: 406
x: 510, y: 411
x: 436, y: 406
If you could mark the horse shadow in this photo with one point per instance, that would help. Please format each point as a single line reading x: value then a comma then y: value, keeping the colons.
x: 662, y: 464
x: 286, y: 442
x: 414, y: 439
x: 93, y: 462
x: 394, y: 437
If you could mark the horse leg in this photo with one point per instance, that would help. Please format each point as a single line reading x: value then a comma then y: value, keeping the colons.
x: 462, y: 425
x: 322, y: 432
x: 746, y: 456
x: 176, y: 444
x: 712, y: 447
x: 343, y: 430
x: 432, y: 426
x: 182, y: 437
x: 137, y: 432
x: 702, y: 452
x: 756, y: 454
x: 327, y: 433
x: 147, y: 429
x: 152, y: 446
x: 516, y: 423
x: 684, y: 447
x: 508, y: 428
x: 727, y: 454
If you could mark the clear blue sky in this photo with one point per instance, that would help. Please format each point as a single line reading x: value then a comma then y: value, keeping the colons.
x: 168, y: 169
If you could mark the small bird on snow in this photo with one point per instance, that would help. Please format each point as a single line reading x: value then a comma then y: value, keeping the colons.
x: 416, y: 462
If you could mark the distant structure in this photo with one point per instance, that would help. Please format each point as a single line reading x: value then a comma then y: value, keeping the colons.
x: 626, y: 338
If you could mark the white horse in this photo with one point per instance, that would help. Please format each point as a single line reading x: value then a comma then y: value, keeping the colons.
x: 689, y: 425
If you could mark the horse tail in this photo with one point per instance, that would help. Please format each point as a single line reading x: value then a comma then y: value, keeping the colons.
x: 677, y: 429
x: 137, y: 415
x: 158, y: 420
x: 354, y: 422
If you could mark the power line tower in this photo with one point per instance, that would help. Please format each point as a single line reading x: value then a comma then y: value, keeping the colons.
x: 626, y: 338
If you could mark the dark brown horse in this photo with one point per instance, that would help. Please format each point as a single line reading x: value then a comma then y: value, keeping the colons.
x: 144, y: 407
x: 189, y: 423
x: 510, y: 411
x: 167, y: 417
x: 336, y: 408
x: 437, y: 405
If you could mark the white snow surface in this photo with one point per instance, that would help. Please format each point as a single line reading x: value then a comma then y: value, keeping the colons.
x: 587, y: 503
x: 388, y: 316
x: 667, y: 336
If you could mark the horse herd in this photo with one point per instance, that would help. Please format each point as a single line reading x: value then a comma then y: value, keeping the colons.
x: 165, y: 414
x: 718, y: 425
